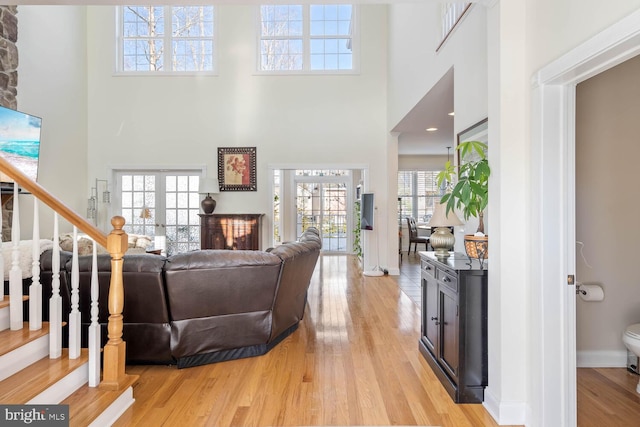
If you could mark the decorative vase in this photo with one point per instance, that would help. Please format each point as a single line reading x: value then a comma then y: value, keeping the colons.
x: 208, y: 205
x: 477, y: 247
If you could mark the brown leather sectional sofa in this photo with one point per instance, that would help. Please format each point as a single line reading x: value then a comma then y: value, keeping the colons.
x: 203, y: 306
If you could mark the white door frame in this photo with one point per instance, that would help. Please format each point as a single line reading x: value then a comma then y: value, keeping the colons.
x: 553, y: 216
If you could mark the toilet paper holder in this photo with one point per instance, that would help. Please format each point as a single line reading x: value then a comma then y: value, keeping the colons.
x: 590, y: 292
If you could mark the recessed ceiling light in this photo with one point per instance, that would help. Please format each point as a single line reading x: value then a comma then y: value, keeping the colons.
x: 431, y: 129
x: 452, y: 113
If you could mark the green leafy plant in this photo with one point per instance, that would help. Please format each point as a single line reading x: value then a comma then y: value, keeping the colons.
x: 470, y: 194
x: 357, y: 243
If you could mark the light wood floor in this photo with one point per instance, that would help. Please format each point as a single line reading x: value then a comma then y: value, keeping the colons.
x: 354, y: 361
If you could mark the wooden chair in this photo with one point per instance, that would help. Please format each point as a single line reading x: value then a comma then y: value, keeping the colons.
x: 413, y: 236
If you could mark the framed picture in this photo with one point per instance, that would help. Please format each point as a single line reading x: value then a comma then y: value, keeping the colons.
x: 237, y: 168
x: 477, y: 132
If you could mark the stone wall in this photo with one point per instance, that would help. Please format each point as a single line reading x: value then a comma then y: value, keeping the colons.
x: 8, y: 88
x: 8, y: 56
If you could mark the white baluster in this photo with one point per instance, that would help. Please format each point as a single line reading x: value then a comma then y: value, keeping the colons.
x: 55, y: 303
x: 35, y: 290
x: 15, y: 274
x: 94, y: 328
x: 74, y: 316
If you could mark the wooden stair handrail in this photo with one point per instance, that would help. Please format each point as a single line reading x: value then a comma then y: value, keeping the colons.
x: 114, y: 352
x: 50, y: 200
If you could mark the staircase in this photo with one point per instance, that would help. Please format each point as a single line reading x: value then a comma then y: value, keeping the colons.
x: 29, y: 377
x: 34, y: 368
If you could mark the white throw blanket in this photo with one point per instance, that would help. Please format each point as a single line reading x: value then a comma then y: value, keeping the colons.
x: 25, y: 248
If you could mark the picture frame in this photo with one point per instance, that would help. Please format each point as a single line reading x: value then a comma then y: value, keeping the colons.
x: 237, y: 168
x: 477, y: 132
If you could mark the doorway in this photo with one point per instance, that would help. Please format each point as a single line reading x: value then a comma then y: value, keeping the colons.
x: 324, y: 205
x: 553, y: 219
x: 321, y: 198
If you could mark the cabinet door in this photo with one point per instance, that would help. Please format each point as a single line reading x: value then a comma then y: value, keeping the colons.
x: 449, y: 350
x: 430, y: 322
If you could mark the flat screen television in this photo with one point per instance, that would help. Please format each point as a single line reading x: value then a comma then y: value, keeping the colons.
x: 366, y: 211
x: 19, y: 143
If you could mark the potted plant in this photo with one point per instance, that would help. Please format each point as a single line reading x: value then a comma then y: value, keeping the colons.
x: 470, y: 194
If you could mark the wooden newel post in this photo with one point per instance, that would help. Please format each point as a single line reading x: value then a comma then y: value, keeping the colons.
x: 114, y: 377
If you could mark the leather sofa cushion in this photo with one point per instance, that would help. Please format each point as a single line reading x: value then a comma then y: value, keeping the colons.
x: 216, y: 333
x: 220, y: 282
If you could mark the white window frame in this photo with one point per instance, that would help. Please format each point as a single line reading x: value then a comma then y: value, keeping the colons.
x: 415, y: 196
x: 159, y: 209
x: 306, y: 41
x: 119, y: 60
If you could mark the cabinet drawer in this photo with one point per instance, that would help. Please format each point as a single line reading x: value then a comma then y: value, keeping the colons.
x: 449, y: 280
x: 428, y: 268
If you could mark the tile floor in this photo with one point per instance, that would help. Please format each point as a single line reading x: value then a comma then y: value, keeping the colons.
x: 409, y: 278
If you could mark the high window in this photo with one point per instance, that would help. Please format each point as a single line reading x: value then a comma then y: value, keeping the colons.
x: 417, y: 193
x: 166, y: 39
x: 301, y: 38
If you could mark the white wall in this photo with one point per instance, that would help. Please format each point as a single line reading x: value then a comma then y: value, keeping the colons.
x: 554, y: 27
x: 421, y: 162
x: 415, y: 67
x: 52, y: 85
x: 147, y: 121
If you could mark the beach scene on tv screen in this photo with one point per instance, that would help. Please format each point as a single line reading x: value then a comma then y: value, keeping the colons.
x: 20, y: 142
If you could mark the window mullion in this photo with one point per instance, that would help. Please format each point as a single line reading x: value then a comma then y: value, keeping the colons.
x: 306, y: 36
x: 168, y: 38
x: 414, y: 208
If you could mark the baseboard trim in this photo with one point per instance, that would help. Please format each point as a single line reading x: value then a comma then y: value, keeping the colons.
x: 504, y: 413
x: 601, y: 359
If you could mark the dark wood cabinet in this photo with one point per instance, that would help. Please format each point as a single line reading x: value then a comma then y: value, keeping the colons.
x: 454, y: 324
x: 231, y: 231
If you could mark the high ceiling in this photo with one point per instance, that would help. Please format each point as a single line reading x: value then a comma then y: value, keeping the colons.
x: 432, y: 111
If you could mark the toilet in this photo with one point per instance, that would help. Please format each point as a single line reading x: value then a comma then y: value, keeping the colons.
x: 631, y: 339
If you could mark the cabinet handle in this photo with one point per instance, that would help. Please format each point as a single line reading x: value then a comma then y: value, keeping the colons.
x: 446, y: 279
x: 434, y: 318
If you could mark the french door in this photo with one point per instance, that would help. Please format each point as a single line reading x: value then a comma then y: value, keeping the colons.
x: 324, y: 205
x: 161, y: 204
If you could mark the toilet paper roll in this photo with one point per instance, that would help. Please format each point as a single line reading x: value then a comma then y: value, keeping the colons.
x: 591, y: 293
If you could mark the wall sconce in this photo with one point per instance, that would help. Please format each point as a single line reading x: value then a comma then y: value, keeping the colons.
x: 92, y: 203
